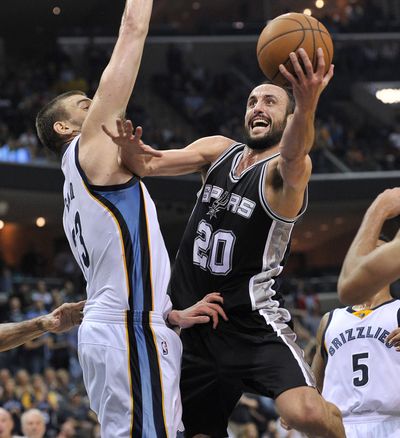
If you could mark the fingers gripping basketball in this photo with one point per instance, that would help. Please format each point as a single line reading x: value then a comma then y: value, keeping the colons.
x: 288, y: 33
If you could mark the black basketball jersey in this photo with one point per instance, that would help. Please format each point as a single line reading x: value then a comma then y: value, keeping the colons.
x: 234, y: 243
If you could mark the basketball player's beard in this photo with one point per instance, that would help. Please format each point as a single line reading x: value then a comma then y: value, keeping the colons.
x: 272, y: 138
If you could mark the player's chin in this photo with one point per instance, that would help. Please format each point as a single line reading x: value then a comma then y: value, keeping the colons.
x: 259, y: 132
x: 258, y: 136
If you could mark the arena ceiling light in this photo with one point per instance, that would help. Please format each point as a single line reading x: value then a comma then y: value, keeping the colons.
x: 40, y: 222
x: 388, y: 95
x: 319, y: 4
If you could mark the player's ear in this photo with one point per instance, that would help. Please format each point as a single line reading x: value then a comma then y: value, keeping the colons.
x: 62, y: 128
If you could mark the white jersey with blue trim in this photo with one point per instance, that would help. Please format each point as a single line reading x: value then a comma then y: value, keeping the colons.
x: 361, y: 374
x: 115, y: 237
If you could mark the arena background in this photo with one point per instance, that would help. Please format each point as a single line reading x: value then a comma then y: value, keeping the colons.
x: 198, y: 67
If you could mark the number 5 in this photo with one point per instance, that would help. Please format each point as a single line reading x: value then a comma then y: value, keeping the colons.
x: 363, y: 380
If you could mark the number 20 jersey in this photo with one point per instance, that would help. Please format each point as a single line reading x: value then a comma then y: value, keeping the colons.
x: 234, y: 244
x: 362, y: 370
x: 115, y: 237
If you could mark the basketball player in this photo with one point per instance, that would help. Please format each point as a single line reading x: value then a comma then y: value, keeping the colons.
x: 63, y: 318
x: 356, y: 364
x: 129, y: 357
x: 367, y: 268
x: 236, y: 242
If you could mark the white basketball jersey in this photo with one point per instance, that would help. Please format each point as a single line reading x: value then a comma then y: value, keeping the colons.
x: 115, y: 237
x: 362, y: 371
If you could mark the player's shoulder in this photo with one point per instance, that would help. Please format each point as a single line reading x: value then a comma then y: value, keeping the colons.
x: 213, y: 147
x: 214, y: 141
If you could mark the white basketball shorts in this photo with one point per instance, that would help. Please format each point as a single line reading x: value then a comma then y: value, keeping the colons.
x: 131, y: 370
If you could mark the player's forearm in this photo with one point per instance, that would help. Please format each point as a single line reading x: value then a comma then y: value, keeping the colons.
x: 298, y: 137
x: 358, y: 277
x: 119, y: 77
x: 366, y: 268
x: 136, y: 16
x: 14, y: 334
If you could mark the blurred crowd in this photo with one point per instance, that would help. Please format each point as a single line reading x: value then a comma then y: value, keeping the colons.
x: 43, y: 374
x: 208, y: 103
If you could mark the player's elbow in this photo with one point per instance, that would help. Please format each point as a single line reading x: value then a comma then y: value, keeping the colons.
x: 131, y: 27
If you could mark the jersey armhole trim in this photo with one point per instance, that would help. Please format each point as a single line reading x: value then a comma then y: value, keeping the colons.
x: 224, y: 154
x: 108, y: 188
x: 324, y: 351
x: 267, y: 207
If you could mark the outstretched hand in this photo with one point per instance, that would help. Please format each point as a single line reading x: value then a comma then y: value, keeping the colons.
x: 128, y: 137
x: 307, y: 84
x: 64, y: 317
x: 205, y: 310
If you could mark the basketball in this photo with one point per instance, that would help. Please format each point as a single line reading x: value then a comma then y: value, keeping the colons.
x: 288, y: 33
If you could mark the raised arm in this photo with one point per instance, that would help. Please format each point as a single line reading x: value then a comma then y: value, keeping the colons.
x: 298, y: 137
x: 319, y: 364
x: 368, y: 268
x: 98, y: 154
x: 293, y: 166
x: 61, y: 319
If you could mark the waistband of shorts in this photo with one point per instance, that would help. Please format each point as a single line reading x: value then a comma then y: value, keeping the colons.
x: 373, y: 418
x: 122, y: 316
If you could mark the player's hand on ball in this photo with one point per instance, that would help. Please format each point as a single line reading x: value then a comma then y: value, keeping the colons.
x: 205, y: 310
x: 307, y: 84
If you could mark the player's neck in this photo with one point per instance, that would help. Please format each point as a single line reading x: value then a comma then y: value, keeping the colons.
x: 378, y: 299
x: 251, y: 156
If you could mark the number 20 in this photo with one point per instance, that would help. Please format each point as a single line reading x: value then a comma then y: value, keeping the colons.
x: 213, y: 250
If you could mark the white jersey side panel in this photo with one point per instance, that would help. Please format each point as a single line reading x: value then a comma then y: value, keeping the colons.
x: 361, y: 375
x: 115, y: 237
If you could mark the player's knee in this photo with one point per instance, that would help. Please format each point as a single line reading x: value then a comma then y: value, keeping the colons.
x: 306, y: 415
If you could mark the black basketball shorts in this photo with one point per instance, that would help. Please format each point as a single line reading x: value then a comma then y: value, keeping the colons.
x: 219, y: 365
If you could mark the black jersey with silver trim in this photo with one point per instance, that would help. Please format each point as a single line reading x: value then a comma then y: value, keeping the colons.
x: 233, y: 242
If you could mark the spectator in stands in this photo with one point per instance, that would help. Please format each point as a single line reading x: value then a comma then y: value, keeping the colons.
x: 9, y: 400
x: 6, y: 425
x: 68, y: 429
x: 41, y: 293
x: 33, y: 424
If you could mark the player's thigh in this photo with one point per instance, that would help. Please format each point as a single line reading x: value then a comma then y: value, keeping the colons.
x: 106, y: 377
x: 271, y: 367
x: 207, y: 399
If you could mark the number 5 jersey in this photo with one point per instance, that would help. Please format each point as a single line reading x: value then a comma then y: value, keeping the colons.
x: 362, y: 370
x: 235, y: 244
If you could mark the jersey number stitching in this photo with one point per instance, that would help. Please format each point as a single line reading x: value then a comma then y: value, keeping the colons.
x: 77, y: 232
x: 213, y: 250
x: 357, y: 366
